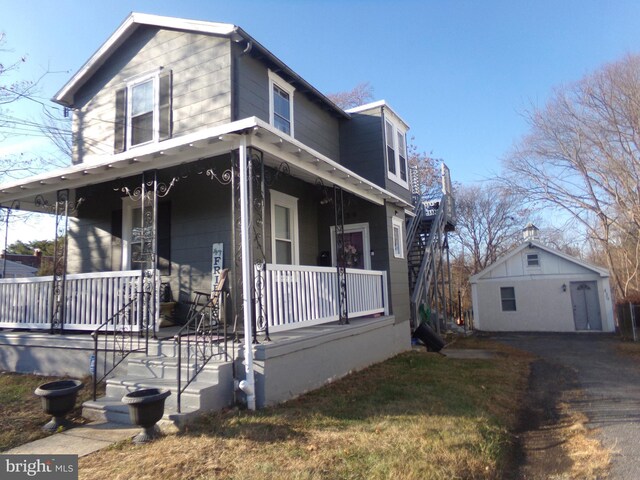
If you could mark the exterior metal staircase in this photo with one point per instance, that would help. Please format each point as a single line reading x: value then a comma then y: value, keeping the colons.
x: 427, y: 253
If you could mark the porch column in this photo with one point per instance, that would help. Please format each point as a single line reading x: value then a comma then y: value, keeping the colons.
x: 343, y: 308
x: 58, y: 296
x: 15, y: 204
x: 248, y: 384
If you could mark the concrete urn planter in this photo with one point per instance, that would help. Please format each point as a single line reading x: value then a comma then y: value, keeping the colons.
x: 58, y: 398
x: 146, y: 407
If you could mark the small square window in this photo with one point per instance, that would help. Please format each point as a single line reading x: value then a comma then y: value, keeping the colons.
x: 508, y: 299
x: 533, y: 260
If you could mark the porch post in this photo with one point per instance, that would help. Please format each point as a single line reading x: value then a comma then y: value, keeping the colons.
x: 148, y: 254
x: 343, y: 308
x: 14, y: 204
x: 58, y: 296
x: 248, y: 384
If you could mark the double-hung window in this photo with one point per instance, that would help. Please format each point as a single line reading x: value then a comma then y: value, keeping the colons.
x: 398, y: 238
x: 143, y: 110
x: 508, y: 299
x: 396, y: 142
x: 280, y: 104
x: 284, y: 229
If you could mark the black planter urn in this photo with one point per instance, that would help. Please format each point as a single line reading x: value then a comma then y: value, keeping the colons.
x: 146, y: 407
x: 58, y: 398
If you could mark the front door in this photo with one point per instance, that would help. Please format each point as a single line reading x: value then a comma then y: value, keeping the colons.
x: 356, y: 246
x: 586, y: 306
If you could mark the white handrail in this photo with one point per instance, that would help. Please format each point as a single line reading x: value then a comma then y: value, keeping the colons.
x: 91, y: 298
x: 295, y: 296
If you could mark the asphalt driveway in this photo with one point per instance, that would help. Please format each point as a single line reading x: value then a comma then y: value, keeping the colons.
x: 611, y: 384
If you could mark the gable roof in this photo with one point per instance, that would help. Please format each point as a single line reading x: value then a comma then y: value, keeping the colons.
x: 65, y: 95
x: 503, y: 259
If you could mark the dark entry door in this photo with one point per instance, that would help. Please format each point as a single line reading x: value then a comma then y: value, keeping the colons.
x: 586, y: 306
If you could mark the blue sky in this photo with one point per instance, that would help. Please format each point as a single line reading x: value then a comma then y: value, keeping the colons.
x: 459, y: 72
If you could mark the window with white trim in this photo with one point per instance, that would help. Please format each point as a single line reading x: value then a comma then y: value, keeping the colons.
x: 533, y: 260
x: 280, y: 104
x: 284, y: 229
x: 396, y: 142
x: 398, y: 238
x: 143, y: 110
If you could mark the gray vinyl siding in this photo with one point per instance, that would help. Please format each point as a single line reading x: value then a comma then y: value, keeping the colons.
x: 201, y: 68
x: 251, y: 90
x: 200, y: 216
x: 307, y: 218
x: 362, y: 147
x: 363, y: 150
x: 313, y: 125
x: 398, y: 270
x: 378, y: 217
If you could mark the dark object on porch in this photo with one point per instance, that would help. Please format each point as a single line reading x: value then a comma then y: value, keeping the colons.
x: 429, y: 338
x: 324, y: 259
x: 58, y: 398
x: 146, y: 407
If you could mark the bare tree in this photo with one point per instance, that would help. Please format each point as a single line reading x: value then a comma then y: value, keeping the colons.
x: 489, y: 222
x: 426, y: 170
x: 359, y: 95
x: 582, y: 156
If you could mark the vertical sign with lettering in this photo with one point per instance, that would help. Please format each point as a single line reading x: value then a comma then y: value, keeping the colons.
x: 216, y: 264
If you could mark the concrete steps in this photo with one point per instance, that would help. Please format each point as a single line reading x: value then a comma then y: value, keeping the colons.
x: 211, y: 390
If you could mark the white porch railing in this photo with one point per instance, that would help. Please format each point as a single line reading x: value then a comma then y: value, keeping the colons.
x: 296, y: 296
x: 91, y: 298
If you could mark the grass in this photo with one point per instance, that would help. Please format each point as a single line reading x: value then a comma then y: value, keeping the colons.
x: 416, y: 416
x: 23, y: 417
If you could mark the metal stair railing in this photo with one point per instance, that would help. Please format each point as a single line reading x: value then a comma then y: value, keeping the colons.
x: 432, y: 251
x: 118, y: 337
x: 415, y: 222
x: 202, y: 337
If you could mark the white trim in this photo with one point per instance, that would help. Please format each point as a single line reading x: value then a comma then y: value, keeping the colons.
x: 131, y: 84
x: 397, y: 222
x: 366, y: 243
x: 187, y: 148
x: 128, y: 206
x: 291, y: 203
x: 379, y: 104
x: 275, y: 79
x: 397, y: 131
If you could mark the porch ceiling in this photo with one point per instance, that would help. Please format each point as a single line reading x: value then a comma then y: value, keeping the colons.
x: 305, y: 163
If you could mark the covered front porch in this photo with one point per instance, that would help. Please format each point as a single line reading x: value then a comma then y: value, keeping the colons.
x: 287, y: 297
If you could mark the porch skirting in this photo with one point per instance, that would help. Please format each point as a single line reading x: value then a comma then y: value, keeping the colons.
x: 302, y: 360
x: 44, y: 354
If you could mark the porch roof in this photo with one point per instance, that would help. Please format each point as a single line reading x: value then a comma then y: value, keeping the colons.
x: 305, y: 163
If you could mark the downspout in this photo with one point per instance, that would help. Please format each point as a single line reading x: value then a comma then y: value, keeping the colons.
x: 248, y: 384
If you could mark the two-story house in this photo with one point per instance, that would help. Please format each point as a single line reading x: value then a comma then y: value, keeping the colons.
x: 196, y: 149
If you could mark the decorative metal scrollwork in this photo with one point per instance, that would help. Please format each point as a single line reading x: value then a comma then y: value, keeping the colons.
x: 338, y: 201
x: 272, y: 175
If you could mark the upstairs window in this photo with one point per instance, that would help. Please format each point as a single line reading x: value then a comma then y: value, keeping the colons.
x: 143, y: 111
x: 280, y: 104
x: 533, y: 260
x: 396, y: 142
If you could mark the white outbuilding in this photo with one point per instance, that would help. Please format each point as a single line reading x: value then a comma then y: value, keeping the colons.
x: 534, y: 288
